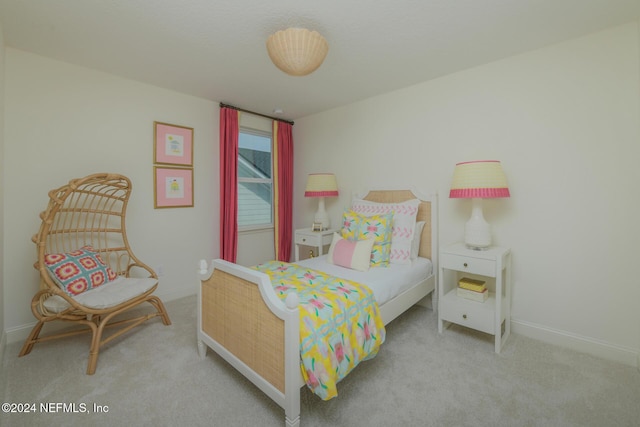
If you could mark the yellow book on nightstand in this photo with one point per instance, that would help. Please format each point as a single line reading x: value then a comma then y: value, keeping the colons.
x: 472, y: 284
x: 473, y: 295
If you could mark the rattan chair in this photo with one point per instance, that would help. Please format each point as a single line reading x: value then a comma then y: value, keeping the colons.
x: 83, y: 231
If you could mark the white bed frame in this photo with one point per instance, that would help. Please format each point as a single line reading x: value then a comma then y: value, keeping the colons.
x: 241, y: 318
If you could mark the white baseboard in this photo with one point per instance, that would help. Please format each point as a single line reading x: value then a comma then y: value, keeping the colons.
x: 174, y: 295
x: 626, y: 355
x: 3, y: 345
x: 20, y: 333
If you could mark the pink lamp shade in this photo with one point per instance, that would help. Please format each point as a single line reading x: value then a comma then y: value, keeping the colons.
x: 477, y: 180
x: 482, y: 179
x: 321, y: 185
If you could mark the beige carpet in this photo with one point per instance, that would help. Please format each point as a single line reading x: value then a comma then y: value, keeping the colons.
x: 153, y: 377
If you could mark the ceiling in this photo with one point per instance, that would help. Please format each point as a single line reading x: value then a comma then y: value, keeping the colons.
x: 215, y: 49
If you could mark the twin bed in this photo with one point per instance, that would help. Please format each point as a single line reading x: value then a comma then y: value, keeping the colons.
x: 243, y: 319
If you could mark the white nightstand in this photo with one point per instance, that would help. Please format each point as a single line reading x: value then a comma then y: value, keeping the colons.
x: 492, y: 265
x: 316, y: 239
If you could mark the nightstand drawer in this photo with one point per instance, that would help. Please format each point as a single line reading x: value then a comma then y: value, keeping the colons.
x: 483, y: 267
x: 472, y: 314
x: 305, y: 240
x: 302, y: 239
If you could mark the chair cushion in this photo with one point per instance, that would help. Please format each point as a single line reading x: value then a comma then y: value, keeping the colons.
x: 108, y: 295
x: 78, y: 271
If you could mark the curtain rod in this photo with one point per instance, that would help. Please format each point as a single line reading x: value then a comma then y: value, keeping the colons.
x: 222, y: 105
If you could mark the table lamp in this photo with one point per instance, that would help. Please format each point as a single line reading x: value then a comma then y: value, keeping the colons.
x: 477, y: 180
x: 321, y: 185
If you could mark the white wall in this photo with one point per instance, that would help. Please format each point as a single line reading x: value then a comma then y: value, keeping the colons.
x: 64, y: 122
x: 638, y: 311
x: 2, y: 181
x: 564, y: 121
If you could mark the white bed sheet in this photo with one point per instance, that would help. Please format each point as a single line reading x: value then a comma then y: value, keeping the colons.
x: 385, y: 282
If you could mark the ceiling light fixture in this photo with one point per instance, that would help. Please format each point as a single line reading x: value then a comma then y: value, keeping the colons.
x: 297, y: 51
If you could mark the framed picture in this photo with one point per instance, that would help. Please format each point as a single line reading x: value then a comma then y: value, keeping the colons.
x: 316, y: 226
x: 172, y: 144
x: 173, y: 187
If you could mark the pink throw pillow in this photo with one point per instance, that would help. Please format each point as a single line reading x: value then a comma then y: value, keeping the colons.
x: 355, y: 255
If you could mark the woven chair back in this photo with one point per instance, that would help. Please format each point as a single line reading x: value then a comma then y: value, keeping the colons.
x: 88, y: 211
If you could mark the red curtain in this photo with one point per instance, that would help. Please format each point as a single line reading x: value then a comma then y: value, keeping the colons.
x: 283, y: 189
x: 229, y: 130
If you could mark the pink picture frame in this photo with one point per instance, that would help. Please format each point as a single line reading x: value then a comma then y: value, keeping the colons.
x: 173, y: 187
x: 172, y: 144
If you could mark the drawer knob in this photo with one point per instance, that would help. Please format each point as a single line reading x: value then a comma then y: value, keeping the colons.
x: 464, y: 316
x: 465, y: 264
x: 304, y: 240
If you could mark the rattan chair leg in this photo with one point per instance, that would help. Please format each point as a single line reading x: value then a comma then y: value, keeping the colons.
x: 157, y: 303
x: 31, y: 339
x: 96, y: 333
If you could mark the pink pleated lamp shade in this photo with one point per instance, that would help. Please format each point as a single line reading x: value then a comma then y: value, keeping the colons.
x: 477, y: 180
x: 321, y: 185
x: 483, y: 179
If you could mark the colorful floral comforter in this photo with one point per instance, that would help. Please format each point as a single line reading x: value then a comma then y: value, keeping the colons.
x: 340, y: 323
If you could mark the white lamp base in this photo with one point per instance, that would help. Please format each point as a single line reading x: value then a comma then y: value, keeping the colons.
x: 321, y: 216
x: 477, y: 231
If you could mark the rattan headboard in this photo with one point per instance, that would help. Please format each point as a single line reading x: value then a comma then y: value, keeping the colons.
x: 426, y: 213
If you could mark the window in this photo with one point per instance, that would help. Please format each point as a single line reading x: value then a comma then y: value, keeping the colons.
x: 255, y: 184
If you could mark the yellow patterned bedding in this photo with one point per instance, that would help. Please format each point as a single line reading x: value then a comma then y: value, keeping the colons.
x: 340, y: 323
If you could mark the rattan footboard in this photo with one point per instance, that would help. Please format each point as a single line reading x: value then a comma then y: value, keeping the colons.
x: 242, y: 319
x: 235, y: 316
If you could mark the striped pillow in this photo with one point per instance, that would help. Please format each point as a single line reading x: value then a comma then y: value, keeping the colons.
x: 355, y: 255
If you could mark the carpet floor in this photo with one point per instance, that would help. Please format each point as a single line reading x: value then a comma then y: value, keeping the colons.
x: 152, y: 376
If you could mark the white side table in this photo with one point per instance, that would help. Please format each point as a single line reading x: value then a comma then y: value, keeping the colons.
x: 316, y: 239
x: 492, y: 265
